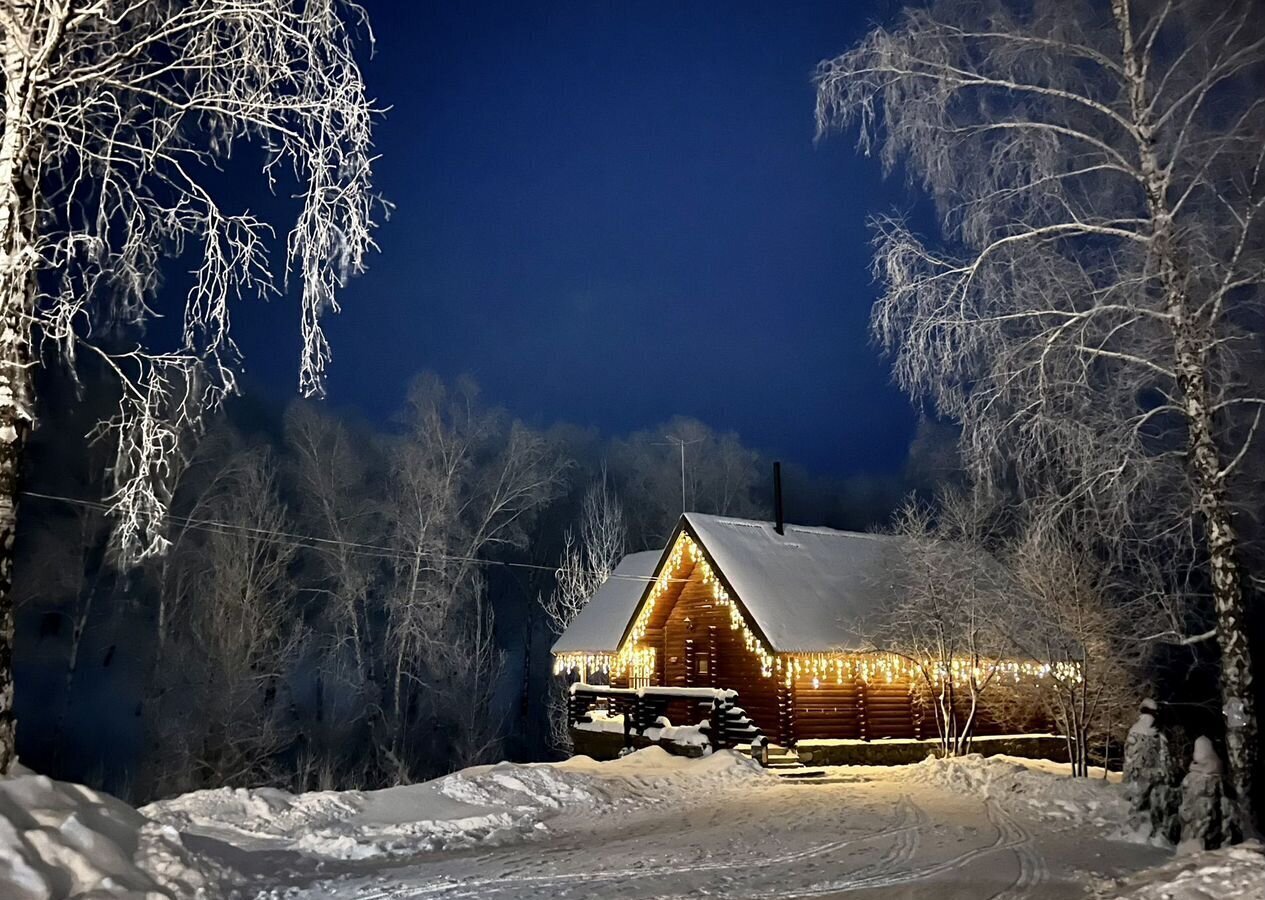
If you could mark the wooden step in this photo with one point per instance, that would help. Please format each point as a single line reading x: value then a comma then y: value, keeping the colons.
x: 779, y: 757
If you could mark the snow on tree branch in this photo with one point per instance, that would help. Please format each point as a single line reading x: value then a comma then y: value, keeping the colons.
x: 1090, y: 310
x: 123, y: 121
x: 589, y: 559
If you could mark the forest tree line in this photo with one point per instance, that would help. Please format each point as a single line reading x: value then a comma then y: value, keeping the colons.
x: 331, y: 610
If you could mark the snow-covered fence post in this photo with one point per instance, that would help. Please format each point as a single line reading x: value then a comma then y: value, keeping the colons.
x: 760, y: 750
x: 574, y: 710
x: 640, y: 717
x: 632, y: 718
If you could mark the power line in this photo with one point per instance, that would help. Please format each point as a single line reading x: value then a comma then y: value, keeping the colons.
x: 313, y: 542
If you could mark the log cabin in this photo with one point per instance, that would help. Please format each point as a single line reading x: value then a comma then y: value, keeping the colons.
x: 777, y: 613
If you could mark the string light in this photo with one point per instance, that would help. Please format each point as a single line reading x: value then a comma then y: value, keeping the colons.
x: 585, y: 662
x: 878, y: 667
x: 636, y: 660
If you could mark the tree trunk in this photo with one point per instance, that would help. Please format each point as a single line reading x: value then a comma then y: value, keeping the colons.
x: 1191, y: 343
x: 79, y: 624
x: 13, y: 433
x: 16, y: 293
x: 1238, y: 704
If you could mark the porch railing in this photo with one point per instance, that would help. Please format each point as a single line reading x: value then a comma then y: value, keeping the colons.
x: 727, y: 723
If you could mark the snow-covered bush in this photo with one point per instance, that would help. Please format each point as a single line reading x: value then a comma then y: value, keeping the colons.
x: 1151, y: 775
x: 1206, y: 813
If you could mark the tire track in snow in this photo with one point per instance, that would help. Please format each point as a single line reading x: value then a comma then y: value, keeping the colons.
x: 1032, y: 867
x: 905, y: 829
x: 1009, y: 836
x: 902, y: 850
x: 476, y: 888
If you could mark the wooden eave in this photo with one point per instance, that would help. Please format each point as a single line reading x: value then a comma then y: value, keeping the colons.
x: 684, y: 526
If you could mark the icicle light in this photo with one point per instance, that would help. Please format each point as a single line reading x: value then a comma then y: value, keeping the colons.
x: 587, y: 663
x: 889, y: 668
x: 637, y: 661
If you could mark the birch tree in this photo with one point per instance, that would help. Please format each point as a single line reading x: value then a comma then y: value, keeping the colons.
x: 589, y: 557
x: 1092, y: 311
x: 586, y: 563
x: 117, y: 116
x: 223, y: 713
x: 1089, y: 633
x: 465, y: 483
x: 332, y: 474
x: 947, y: 619
x: 715, y: 474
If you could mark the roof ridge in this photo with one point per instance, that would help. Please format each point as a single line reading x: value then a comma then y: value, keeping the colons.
x: 741, y: 522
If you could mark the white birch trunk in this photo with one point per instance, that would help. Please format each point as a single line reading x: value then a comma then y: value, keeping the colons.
x: 16, y: 215
x: 1190, y: 347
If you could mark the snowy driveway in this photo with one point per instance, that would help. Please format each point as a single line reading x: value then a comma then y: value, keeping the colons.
x: 898, y: 832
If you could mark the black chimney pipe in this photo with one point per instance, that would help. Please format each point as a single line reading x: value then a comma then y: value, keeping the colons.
x: 780, y: 525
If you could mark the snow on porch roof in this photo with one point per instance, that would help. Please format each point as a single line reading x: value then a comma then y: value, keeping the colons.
x: 599, y: 626
x: 809, y: 589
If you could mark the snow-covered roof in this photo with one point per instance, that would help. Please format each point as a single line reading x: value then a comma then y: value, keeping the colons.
x: 807, y: 589
x: 600, y: 625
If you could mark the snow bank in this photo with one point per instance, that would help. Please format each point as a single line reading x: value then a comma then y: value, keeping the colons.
x: 930, y: 743
x: 337, y: 825
x: 1236, y: 873
x: 1045, y: 788
x: 483, y: 805
x: 648, y: 775
x: 60, y: 840
x: 656, y: 772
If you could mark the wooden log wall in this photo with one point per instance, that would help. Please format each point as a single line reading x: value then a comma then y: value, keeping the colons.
x: 696, y: 647
x: 889, y: 709
x: 988, y: 721
x: 880, y: 709
x: 706, y: 652
x: 830, y: 710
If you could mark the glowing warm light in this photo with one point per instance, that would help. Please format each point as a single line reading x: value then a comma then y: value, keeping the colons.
x: 636, y: 660
x: 890, y: 668
x: 586, y: 663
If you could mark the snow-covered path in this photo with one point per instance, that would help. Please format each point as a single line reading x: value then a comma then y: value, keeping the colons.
x: 868, y: 832
x: 649, y: 825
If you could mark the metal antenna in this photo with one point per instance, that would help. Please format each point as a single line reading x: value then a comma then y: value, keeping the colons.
x: 674, y: 441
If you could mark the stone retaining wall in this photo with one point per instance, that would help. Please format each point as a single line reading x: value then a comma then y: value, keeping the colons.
x: 895, y: 753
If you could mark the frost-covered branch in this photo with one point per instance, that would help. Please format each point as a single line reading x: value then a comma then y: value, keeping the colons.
x: 119, y: 117
x: 1090, y: 312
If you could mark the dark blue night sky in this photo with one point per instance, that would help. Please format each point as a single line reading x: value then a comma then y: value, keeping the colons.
x: 611, y: 213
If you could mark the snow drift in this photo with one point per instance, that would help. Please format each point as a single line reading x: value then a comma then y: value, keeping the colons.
x: 1235, y: 873
x: 60, y: 840
x: 1041, y: 787
x: 481, y: 805
x: 65, y: 842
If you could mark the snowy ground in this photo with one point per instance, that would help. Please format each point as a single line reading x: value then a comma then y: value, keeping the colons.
x: 646, y: 826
